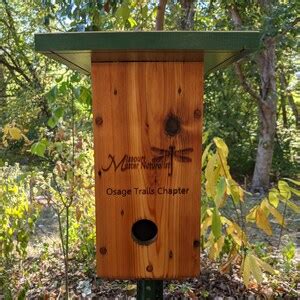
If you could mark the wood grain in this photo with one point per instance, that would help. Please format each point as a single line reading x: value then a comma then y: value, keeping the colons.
x: 131, y: 105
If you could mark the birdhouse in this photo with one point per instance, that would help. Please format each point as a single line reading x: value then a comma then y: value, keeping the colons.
x: 147, y: 92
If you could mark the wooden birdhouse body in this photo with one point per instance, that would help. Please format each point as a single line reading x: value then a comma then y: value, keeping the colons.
x: 147, y: 119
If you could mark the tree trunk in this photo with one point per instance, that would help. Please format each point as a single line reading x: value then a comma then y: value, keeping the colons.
x: 160, y: 17
x: 266, y: 101
x: 267, y: 106
x: 188, y: 14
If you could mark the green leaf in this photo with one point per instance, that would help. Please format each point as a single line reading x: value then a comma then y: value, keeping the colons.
x: 52, y: 94
x: 52, y: 122
x: 39, y: 148
x: 58, y: 112
x: 85, y: 96
x: 123, y: 12
x: 216, y: 224
x: 144, y: 11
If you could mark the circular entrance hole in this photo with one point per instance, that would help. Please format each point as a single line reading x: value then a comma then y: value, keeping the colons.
x: 144, y: 232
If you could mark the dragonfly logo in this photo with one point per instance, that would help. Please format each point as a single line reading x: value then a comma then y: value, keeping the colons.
x: 171, y: 154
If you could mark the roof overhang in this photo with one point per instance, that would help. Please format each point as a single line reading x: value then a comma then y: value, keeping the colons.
x: 78, y: 49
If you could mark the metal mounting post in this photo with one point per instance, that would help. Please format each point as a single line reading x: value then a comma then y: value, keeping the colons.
x: 150, y: 290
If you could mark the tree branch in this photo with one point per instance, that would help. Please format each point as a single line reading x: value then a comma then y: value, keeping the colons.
x: 245, y: 84
x: 238, y: 24
x: 288, y: 28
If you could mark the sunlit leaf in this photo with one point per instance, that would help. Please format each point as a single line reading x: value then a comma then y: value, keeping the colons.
x: 297, y: 182
x: 273, y: 197
x: 251, y: 216
x: 211, y: 175
x: 284, y: 189
x: 262, y: 221
x: 221, y: 146
x: 277, y: 215
x: 132, y: 22
x: 255, y: 269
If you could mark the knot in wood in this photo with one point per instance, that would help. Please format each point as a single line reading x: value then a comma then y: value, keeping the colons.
x: 103, y: 250
x: 172, y: 125
x: 99, y: 121
x: 197, y: 113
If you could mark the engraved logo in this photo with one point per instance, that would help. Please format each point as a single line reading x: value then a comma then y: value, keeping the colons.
x: 171, y: 154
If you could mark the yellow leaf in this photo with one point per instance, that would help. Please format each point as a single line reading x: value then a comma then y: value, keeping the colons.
x: 221, y: 146
x: 235, y: 190
x: 255, y: 269
x: 251, y: 217
x: 296, y: 192
x: 293, y: 181
x: 277, y: 215
x: 216, y: 248
x: 284, y: 189
x: 265, y: 266
x: 211, y: 175
x: 262, y: 221
x: 293, y: 206
x: 273, y: 197
x: 246, y: 270
x: 15, y: 133
x: 224, y: 221
x: 237, y: 234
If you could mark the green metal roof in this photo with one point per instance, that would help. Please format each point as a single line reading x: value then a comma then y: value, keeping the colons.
x: 78, y: 49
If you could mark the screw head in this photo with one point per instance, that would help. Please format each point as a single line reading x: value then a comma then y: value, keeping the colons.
x: 149, y: 268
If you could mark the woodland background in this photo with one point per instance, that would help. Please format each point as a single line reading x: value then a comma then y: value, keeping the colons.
x: 46, y: 150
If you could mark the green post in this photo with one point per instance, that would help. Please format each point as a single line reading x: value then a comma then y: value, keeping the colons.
x: 150, y: 290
